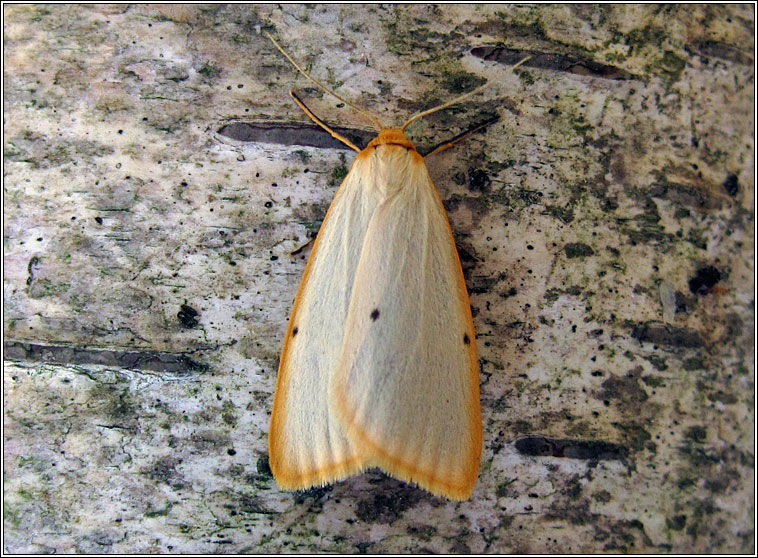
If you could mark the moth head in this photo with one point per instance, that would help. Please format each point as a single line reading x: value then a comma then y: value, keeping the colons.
x: 391, y: 136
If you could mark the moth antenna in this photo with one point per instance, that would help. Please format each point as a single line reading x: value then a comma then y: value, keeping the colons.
x: 459, y: 137
x: 318, y: 121
x: 323, y: 87
x: 454, y: 101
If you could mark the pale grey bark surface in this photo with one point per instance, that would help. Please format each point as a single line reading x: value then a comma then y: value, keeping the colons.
x: 147, y: 281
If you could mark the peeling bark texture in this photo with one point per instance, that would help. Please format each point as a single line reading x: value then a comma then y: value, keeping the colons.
x: 155, y: 185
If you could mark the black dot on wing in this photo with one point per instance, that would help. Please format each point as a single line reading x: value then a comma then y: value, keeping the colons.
x: 466, y: 339
x: 294, y: 331
x: 375, y: 314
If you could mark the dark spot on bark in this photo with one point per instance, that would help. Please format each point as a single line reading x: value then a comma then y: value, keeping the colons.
x: 375, y: 314
x: 578, y: 250
x: 731, y: 185
x: 697, y: 433
x: 704, y: 279
x: 564, y: 213
x: 684, y: 302
x: 132, y: 360
x: 460, y: 547
x: 263, y: 468
x: 724, y: 51
x: 363, y: 547
x: 573, y: 449
x: 665, y: 334
x: 164, y: 469
x: 478, y: 180
x: 314, y: 495
x: 529, y: 197
x: 563, y: 63
x: 693, y: 363
x: 252, y: 504
x: 423, y: 532
x: 388, y: 506
x: 187, y: 316
x: 466, y: 339
x: 294, y: 331
x: 625, y: 389
x: 30, y: 268
x: 677, y: 522
x: 292, y: 133
x: 602, y: 496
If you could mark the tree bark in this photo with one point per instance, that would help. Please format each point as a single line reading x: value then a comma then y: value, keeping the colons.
x: 157, y: 176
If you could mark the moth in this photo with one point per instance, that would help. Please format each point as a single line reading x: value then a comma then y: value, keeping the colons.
x: 379, y: 365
